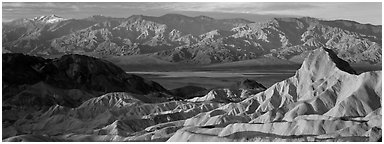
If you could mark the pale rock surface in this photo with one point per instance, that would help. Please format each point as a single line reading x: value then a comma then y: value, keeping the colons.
x: 110, y: 117
x: 48, y: 19
x: 242, y: 90
x: 324, y: 101
x: 218, y: 95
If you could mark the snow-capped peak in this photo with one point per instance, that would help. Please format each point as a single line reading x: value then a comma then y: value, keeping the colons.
x: 49, y: 19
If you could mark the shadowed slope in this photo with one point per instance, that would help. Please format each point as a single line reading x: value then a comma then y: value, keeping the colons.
x: 69, y: 73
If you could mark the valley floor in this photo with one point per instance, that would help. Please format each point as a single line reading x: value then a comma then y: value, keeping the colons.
x: 220, y: 77
x: 171, y: 80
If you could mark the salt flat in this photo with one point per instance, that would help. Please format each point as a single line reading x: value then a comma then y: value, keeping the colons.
x: 209, y: 74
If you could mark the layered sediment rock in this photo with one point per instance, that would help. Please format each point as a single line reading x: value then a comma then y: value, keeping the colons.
x: 324, y: 101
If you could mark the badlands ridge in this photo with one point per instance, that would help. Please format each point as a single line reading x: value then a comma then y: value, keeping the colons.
x: 324, y: 101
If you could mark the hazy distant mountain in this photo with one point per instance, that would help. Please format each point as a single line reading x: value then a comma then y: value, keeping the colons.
x: 286, y: 38
x: 199, y: 40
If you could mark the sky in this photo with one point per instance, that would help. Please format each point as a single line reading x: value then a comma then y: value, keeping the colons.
x: 363, y: 12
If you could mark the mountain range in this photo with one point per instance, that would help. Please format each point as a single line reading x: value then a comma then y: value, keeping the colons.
x: 192, y: 40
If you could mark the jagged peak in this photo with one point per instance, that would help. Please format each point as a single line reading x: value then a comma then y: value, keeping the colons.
x: 326, y: 59
x: 110, y: 100
x: 48, y: 16
x: 340, y: 63
x: 48, y: 19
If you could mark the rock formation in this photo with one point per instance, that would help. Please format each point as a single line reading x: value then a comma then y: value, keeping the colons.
x: 324, y: 101
x: 237, y: 93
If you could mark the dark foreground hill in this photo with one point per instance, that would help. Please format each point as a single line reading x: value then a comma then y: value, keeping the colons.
x: 32, y: 84
x: 23, y: 74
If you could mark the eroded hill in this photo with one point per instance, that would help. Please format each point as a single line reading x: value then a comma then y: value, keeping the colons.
x: 324, y: 101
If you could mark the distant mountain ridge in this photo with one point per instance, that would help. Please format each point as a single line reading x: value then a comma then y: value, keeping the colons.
x: 196, y: 40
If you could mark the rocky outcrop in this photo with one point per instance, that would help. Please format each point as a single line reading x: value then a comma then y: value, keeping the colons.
x: 322, y: 102
x: 240, y: 91
x: 48, y: 19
